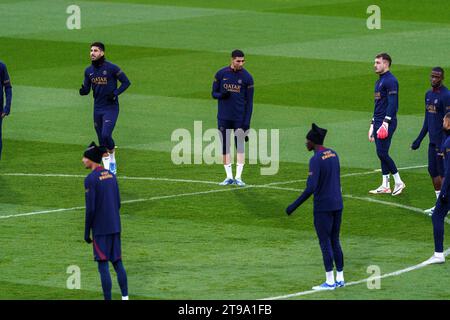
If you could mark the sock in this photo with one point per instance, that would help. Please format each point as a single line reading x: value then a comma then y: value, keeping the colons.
x: 437, y: 193
x: 439, y: 254
x: 397, y: 178
x: 330, y: 277
x: 340, y: 275
x: 105, y: 277
x: 385, y: 182
x: 121, y: 278
x: 239, y: 169
x: 112, y: 157
x: 229, y: 171
x: 106, y: 162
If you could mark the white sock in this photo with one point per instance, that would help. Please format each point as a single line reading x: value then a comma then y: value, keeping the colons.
x: 239, y: 169
x: 340, y: 275
x: 437, y: 193
x: 439, y: 254
x: 229, y: 171
x: 106, y: 162
x: 125, y: 298
x: 397, y: 178
x: 330, y: 277
x: 112, y: 157
x: 385, y: 182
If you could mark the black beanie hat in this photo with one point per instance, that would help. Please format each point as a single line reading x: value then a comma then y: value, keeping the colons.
x: 94, y: 152
x: 316, y: 134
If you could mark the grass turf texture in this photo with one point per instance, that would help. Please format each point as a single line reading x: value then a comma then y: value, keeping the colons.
x: 310, y: 63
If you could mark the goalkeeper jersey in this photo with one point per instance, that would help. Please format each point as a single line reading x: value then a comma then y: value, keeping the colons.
x: 386, y: 99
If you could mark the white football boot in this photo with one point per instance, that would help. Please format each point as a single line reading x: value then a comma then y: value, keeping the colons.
x: 398, y: 188
x: 435, y: 259
x: 380, y: 190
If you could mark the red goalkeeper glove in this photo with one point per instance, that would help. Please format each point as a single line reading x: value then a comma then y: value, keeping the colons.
x: 382, y: 132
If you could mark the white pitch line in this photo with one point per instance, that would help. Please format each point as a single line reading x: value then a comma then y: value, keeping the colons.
x: 386, y: 275
x: 346, y: 175
x: 57, y: 175
x: 40, y: 212
x: 126, y: 202
x: 269, y: 186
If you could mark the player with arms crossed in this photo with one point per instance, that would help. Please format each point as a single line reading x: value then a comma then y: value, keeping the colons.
x: 233, y: 88
x: 384, y: 123
x: 102, y: 76
x: 437, y: 103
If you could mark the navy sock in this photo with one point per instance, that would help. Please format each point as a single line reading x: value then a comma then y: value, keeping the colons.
x: 103, y: 269
x: 121, y: 277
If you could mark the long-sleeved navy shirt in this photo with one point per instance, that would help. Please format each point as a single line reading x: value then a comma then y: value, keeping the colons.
x: 437, y: 104
x: 5, y: 85
x: 102, y: 203
x: 324, y: 182
x: 446, y: 181
x: 386, y: 99
x: 237, y: 104
x: 103, y: 80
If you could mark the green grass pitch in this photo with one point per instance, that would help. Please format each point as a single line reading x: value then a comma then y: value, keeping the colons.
x: 311, y: 61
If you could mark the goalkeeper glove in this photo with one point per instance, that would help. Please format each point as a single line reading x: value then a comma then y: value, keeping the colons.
x: 382, y: 132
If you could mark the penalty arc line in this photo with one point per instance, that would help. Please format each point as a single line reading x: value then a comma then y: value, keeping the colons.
x: 386, y: 275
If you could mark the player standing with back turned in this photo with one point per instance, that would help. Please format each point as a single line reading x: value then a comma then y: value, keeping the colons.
x: 384, y: 123
x: 103, y: 218
x: 102, y: 76
x: 324, y: 182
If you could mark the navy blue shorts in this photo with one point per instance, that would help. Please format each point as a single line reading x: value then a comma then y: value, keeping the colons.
x: 435, y: 161
x: 107, y: 247
x: 231, y: 126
